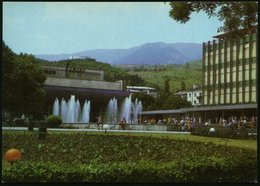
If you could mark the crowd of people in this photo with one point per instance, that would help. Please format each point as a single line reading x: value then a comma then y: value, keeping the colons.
x: 184, y: 123
x: 188, y: 123
x: 100, y: 123
x: 241, y: 122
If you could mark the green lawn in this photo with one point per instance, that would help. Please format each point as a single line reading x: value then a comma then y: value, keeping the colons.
x: 241, y: 143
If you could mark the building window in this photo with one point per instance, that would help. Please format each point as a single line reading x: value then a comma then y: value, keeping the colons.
x: 189, y: 94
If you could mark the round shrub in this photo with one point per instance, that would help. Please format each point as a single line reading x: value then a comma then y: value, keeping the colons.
x: 53, y: 121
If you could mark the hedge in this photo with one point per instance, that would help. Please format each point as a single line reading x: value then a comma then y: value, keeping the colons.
x: 224, y: 132
x: 205, y: 170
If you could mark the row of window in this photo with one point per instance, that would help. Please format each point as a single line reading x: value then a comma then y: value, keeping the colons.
x: 220, y: 58
x: 220, y: 99
x: 195, y: 94
x: 233, y: 63
x: 227, y: 92
x: 226, y: 77
x: 233, y: 84
x: 222, y: 44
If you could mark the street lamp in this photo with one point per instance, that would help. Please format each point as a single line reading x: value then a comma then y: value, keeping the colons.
x: 106, y: 127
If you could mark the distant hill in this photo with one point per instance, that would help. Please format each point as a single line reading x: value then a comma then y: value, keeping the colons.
x: 147, y: 54
x: 154, y: 76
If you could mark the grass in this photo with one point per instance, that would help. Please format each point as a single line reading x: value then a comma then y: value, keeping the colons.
x: 240, y: 143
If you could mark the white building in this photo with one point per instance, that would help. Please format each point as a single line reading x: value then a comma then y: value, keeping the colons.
x: 194, y: 95
x: 147, y: 90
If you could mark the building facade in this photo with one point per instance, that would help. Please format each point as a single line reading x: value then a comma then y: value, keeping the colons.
x: 84, y: 84
x: 147, y: 90
x: 230, y: 81
x: 230, y: 70
x: 73, y: 73
x: 194, y: 95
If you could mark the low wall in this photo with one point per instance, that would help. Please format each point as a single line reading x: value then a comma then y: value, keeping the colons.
x: 116, y: 126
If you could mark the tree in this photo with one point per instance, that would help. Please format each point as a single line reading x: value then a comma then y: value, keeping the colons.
x: 175, y: 102
x: 167, y: 86
x: 147, y: 100
x: 236, y: 15
x: 183, y: 85
x: 23, y: 78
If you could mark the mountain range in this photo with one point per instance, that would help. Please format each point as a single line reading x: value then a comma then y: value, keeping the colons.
x: 146, y: 54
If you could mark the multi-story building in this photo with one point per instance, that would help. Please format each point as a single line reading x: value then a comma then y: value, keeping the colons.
x: 230, y: 69
x: 230, y: 81
x: 194, y: 95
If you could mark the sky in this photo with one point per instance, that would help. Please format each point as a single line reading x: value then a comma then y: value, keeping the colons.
x: 69, y: 27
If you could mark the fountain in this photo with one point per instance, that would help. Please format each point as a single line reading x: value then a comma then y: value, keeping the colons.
x: 56, y: 107
x: 70, y: 112
x: 111, y: 115
x: 126, y: 109
x: 130, y: 111
x: 137, y: 110
x: 85, y: 112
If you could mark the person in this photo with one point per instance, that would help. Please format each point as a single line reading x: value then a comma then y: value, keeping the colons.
x: 160, y: 122
x: 192, y: 124
x: 122, y: 123
x: 206, y: 123
x: 100, y: 122
x: 245, y: 122
x: 235, y: 123
x: 182, y: 124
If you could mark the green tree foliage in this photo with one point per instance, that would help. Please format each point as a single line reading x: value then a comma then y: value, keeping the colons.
x: 170, y: 101
x: 235, y: 15
x: 148, y: 101
x: 167, y: 86
x: 23, y: 77
x: 175, y: 102
x: 183, y: 85
x: 175, y: 72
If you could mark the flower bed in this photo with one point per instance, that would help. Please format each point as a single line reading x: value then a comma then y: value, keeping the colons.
x: 78, y: 157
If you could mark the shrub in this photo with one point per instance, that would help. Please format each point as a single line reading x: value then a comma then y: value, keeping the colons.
x: 53, y: 121
x: 224, y: 132
x: 208, y: 170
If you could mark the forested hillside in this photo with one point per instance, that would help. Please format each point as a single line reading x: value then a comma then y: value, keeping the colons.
x: 181, y: 76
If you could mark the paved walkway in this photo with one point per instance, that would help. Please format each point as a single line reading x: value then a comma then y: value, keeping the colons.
x: 96, y: 130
